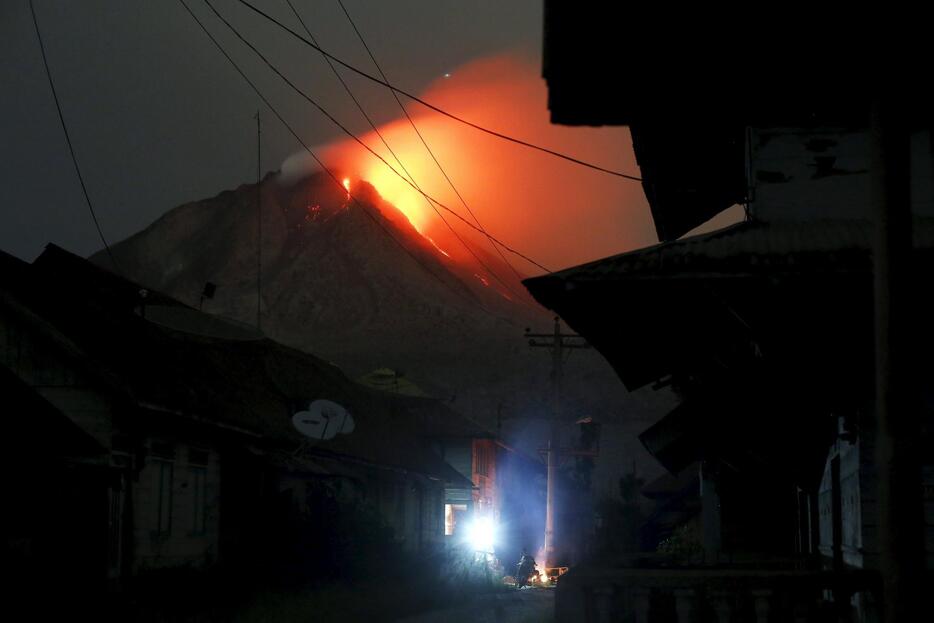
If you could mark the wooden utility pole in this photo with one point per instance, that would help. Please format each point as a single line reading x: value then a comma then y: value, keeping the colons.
x: 259, y: 226
x: 898, y: 414
x: 556, y: 342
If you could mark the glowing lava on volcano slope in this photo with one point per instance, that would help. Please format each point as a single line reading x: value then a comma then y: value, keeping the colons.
x: 550, y: 209
x: 401, y: 203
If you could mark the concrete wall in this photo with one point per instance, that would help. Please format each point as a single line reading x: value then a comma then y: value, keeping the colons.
x: 852, y: 493
x: 859, y: 501
x: 189, y: 530
x: 798, y: 173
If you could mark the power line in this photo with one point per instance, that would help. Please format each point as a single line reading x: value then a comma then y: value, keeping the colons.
x: 346, y: 131
x: 422, y: 138
x: 71, y: 149
x: 405, y: 169
x: 441, y: 111
x: 326, y: 169
x: 353, y: 136
x: 348, y: 90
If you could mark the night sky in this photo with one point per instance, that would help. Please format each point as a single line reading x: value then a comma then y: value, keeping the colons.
x: 158, y: 117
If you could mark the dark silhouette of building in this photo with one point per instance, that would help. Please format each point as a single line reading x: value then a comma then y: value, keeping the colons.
x: 769, y: 330
x: 143, y: 435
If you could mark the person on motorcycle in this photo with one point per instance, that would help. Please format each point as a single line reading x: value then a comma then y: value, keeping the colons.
x: 524, y: 569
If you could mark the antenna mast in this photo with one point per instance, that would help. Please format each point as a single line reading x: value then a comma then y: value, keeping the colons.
x: 259, y: 225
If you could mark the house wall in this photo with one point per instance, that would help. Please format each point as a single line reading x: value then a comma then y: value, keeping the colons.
x: 425, y: 529
x: 483, y: 477
x: 412, y: 505
x: 458, y: 453
x: 859, y: 497
x: 806, y: 173
x: 855, y: 498
x: 419, y: 512
x: 176, y: 506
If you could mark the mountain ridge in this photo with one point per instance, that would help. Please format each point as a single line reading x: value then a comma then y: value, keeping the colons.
x: 354, y: 282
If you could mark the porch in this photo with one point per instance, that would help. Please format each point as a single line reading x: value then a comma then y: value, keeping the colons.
x: 716, y: 595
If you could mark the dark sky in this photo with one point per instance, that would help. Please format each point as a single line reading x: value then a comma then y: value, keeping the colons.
x: 158, y: 117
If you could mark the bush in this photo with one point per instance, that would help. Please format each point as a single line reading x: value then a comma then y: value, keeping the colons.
x: 329, y: 539
x: 684, y: 546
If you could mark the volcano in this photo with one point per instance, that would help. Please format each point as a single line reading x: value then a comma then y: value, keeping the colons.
x: 347, y: 277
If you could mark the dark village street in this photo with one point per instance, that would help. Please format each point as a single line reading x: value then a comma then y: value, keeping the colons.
x: 529, y: 605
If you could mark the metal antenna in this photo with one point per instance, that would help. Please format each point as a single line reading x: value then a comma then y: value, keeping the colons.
x: 259, y: 225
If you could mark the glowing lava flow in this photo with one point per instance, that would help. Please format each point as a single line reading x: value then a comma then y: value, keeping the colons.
x: 431, y: 240
x: 402, y: 196
x: 397, y: 192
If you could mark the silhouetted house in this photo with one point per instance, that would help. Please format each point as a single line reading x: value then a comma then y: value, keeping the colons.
x: 502, y: 482
x: 462, y: 443
x: 161, y: 437
x: 765, y: 329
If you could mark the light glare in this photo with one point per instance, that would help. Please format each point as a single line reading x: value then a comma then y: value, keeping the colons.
x: 481, y: 534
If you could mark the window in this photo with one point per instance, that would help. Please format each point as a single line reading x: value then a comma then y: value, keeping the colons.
x: 197, y: 478
x: 163, y: 491
x: 452, y: 513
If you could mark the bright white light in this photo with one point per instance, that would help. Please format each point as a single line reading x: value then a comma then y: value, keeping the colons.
x: 481, y: 534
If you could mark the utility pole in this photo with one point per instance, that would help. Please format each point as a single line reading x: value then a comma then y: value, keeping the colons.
x: 259, y: 225
x: 898, y: 412
x: 556, y: 342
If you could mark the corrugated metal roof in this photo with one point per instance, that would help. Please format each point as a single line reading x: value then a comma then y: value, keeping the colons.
x: 750, y: 245
x: 434, y: 419
x: 254, y: 386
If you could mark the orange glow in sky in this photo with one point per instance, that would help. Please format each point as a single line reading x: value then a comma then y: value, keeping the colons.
x: 556, y: 212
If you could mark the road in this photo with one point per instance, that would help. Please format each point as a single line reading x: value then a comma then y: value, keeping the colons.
x: 529, y: 605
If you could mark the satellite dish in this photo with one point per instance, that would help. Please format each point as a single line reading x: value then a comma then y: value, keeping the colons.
x: 323, y: 420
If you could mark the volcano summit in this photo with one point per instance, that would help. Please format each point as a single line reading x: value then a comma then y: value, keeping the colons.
x: 346, y: 276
